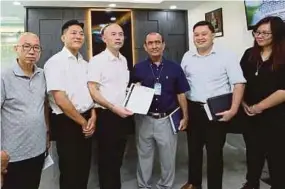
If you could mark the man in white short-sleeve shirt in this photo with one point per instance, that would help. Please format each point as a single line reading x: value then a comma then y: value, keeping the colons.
x: 108, y: 77
x: 72, y: 107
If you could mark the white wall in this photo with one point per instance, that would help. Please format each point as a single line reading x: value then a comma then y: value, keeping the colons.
x: 236, y: 36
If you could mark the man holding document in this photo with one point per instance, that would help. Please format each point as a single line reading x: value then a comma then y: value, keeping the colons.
x: 169, y: 84
x: 210, y: 71
x: 108, y: 78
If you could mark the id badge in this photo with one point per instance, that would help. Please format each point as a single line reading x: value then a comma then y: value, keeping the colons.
x: 157, y: 89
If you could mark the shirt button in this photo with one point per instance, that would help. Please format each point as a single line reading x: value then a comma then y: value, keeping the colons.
x: 156, y: 109
x: 156, y: 99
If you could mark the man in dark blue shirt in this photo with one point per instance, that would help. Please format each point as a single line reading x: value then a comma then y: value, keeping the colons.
x: 170, y: 84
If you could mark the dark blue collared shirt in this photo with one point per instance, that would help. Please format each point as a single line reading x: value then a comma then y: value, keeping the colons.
x: 171, y: 77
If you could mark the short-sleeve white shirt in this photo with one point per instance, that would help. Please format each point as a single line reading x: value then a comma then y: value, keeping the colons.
x: 65, y: 72
x: 112, y: 75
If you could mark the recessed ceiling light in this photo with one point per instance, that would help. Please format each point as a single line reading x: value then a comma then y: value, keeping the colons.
x: 112, y: 5
x: 113, y: 18
x: 173, y: 7
x: 108, y: 10
x: 102, y: 25
x: 16, y: 3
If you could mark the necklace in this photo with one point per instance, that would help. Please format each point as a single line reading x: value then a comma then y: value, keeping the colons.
x: 258, y: 66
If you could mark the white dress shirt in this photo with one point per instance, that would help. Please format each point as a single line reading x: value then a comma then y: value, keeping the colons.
x: 65, y: 72
x: 112, y: 75
x: 211, y: 75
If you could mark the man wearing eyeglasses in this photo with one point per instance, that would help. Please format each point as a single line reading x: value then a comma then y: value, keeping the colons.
x: 72, y: 107
x: 23, y: 125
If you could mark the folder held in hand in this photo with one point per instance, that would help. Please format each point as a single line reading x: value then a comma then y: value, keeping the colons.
x: 218, y: 104
x: 138, y: 99
x: 175, y: 118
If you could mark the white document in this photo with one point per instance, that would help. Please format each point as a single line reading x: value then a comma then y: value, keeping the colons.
x: 208, y: 112
x: 48, y: 162
x: 138, y: 99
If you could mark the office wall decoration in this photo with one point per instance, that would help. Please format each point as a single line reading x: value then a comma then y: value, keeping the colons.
x: 256, y: 10
x: 216, y: 18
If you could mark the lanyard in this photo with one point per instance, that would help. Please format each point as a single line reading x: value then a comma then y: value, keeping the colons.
x: 157, y: 78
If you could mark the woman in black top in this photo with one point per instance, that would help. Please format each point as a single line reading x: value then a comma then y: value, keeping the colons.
x: 263, y: 66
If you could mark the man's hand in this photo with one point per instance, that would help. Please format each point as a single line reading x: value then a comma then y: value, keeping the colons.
x: 183, y: 124
x: 84, y: 124
x: 4, y: 161
x: 122, y: 112
x: 48, y: 140
x: 90, y: 127
x: 226, y: 115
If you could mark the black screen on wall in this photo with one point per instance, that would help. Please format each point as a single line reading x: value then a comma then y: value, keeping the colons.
x: 99, y: 19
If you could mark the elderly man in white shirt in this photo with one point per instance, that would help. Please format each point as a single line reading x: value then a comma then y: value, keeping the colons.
x: 108, y: 77
x: 70, y: 100
x: 210, y: 71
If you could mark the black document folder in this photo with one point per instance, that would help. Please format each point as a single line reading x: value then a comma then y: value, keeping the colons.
x: 218, y: 104
x: 175, y: 118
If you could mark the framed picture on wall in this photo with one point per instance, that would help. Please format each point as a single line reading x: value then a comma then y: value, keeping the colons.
x: 216, y: 18
x: 256, y: 10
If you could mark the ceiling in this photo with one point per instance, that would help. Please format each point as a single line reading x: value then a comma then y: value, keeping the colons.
x: 11, y: 13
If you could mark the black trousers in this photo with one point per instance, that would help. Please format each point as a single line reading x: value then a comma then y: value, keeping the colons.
x: 24, y: 174
x: 212, y: 134
x: 265, y: 140
x: 74, y: 152
x: 111, y: 134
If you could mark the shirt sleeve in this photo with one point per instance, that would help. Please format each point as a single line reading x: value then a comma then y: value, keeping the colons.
x: 3, y: 92
x: 183, y: 63
x: 234, y: 70
x: 244, y: 63
x: 94, y: 70
x: 182, y: 84
x: 54, y: 76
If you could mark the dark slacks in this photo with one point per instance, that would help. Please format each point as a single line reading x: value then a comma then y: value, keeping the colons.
x: 111, y: 134
x: 74, y: 152
x: 212, y: 134
x: 265, y: 139
x: 25, y: 174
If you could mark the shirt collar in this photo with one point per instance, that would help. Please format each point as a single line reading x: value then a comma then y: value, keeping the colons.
x: 19, y: 72
x: 163, y: 60
x: 113, y: 57
x: 213, y: 51
x: 70, y: 55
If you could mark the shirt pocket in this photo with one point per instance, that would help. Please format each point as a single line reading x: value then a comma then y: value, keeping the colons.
x: 147, y: 81
x: 217, y: 73
x: 168, y: 82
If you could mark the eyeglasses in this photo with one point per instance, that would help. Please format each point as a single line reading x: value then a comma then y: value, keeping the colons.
x: 28, y: 47
x: 263, y: 34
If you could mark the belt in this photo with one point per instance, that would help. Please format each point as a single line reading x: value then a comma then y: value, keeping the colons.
x: 159, y: 115
x: 196, y: 104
